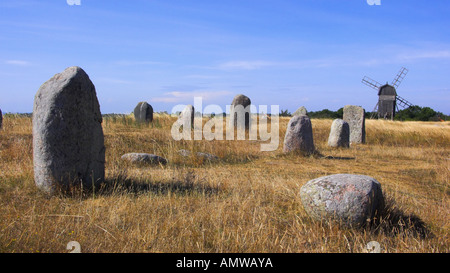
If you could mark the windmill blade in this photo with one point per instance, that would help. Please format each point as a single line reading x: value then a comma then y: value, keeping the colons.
x: 399, y: 78
x: 371, y: 83
x: 403, y: 103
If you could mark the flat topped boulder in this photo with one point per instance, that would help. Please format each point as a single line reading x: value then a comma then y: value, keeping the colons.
x: 355, y: 116
x: 68, y: 141
x: 347, y: 198
x: 143, y: 112
x: 299, y: 136
x: 144, y: 158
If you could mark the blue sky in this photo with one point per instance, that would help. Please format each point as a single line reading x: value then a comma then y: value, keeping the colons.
x: 291, y: 53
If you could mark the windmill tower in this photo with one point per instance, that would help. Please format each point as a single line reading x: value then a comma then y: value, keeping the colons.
x: 388, y: 99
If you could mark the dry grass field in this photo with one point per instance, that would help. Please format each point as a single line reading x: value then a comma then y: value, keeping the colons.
x: 248, y: 201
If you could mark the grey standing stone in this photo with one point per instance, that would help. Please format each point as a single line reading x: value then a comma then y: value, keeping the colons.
x: 68, y: 141
x: 355, y: 116
x: 187, y: 116
x: 339, y: 134
x: 143, y: 112
x: 299, y: 136
x: 240, y: 111
x: 144, y: 158
x: 300, y: 111
x: 347, y: 198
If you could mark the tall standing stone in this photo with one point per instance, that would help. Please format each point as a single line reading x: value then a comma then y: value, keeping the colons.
x: 68, y: 142
x: 187, y: 116
x: 355, y: 116
x: 339, y: 134
x: 1, y: 119
x: 143, y: 112
x: 240, y: 111
x: 299, y: 136
x: 301, y: 111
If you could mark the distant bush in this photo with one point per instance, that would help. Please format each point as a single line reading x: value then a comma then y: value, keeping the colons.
x: 417, y: 113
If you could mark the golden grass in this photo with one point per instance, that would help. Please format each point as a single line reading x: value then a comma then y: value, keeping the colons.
x: 246, y: 202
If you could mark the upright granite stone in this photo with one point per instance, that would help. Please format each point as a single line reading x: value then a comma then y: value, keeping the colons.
x: 339, y: 134
x: 355, y: 116
x: 347, y: 198
x: 240, y: 111
x: 143, y: 112
x: 68, y: 142
x: 299, y: 136
x: 187, y: 116
x: 301, y: 111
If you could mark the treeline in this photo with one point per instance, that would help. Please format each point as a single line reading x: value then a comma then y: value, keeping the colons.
x: 413, y: 113
x: 417, y: 113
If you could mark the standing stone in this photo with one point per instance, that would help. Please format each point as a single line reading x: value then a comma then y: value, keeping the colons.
x: 1, y: 119
x: 355, y: 116
x: 143, y: 112
x: 187, y: 116
x: 299, y: 136
x: 68, y: 142
x: 300, y: 111
x: 347, y: 198
x: 339, y: 134
x: 239, y: 110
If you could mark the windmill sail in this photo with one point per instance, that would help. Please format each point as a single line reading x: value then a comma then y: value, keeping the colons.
x: 403, y: 103
x: 371, y: 83
x: 399, y: 78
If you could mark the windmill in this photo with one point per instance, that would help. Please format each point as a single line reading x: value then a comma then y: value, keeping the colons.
x: 389, y: 101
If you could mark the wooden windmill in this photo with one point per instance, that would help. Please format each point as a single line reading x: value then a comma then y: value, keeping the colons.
x: 389, y: 101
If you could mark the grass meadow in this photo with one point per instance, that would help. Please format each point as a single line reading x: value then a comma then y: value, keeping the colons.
x: 248, y: 201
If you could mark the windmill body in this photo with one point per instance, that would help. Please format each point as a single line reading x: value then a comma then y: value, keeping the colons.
x: 388, y: 99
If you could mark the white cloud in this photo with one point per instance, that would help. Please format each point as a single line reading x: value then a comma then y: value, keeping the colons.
x: 245, y: 65
x: 442, y: 54
x: 178, y: 97
x: 18, y: 62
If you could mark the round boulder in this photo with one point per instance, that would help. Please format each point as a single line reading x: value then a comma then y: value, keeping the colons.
x: 347, y: 198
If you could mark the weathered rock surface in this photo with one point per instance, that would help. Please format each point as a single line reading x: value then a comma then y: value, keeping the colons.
x: 355, y: 116
x: 144, y: 158
x: 205, y: 156
x: 241, y: 117
x: 143, y: 112
x: 187, y: 116
x: 347, y: 198
x: 68, y: 142
x: 339, y: 134
x: 300, y: 111
x: 299, y: 136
